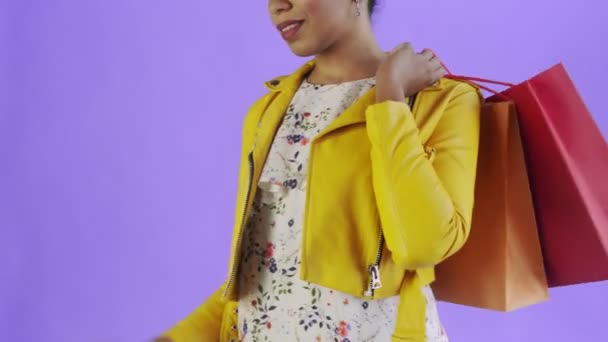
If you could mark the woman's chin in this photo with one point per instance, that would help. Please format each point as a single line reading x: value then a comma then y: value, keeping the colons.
x: 302, y: 50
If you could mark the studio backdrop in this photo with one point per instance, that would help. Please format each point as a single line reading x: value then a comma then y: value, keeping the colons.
x: 119, y: 139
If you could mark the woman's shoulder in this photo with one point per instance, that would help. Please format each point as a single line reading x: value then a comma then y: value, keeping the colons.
x: 447, y: 97
x: 448, y: 90
x: 455, y: 87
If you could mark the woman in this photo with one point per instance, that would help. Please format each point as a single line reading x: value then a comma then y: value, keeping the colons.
x: 347, y: 197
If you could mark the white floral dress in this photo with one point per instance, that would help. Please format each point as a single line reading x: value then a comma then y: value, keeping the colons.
x: 274, y: 304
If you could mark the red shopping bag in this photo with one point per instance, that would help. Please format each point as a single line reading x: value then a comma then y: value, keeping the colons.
x: 567, y: 161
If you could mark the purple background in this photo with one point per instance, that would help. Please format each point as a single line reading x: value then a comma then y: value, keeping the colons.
x: 119, y: 139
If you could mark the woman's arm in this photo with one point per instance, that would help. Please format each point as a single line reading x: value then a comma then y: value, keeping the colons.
x: 425, y: 206
x: 201, y: 325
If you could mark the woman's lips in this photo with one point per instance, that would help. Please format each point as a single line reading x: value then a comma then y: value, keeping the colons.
x: 290, y: 29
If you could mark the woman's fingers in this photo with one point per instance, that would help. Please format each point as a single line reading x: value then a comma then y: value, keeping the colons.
x: 434, y: 64
x: 437, y: 69
x: 439, y: 74
x: 427, y: 54
x: 403, y: 46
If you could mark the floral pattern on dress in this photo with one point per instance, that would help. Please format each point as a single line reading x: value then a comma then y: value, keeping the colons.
x: 274, y: 303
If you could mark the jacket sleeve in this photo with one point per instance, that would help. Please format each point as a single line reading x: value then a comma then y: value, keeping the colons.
x: 425, y: 206
x: 202, y: 325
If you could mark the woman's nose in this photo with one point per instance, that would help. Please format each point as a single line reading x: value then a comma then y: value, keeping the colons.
x: 278, y: 6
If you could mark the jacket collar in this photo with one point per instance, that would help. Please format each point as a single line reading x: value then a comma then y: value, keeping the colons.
x: 288, y: 85
x: 291, y: 82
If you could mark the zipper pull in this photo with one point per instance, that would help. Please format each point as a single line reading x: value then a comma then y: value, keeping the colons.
x: 374, y: 280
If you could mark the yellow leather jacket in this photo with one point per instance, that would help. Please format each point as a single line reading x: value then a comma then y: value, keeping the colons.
x: 379, y: 172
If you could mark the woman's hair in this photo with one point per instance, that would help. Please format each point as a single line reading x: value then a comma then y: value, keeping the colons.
x: 371, y: 6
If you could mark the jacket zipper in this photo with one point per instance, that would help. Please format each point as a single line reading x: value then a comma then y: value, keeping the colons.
x: 374, y: 269
x: 239, y: 240
x: 250, y: 160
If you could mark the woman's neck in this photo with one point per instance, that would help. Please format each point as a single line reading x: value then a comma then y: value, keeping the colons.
x: 352, y: 60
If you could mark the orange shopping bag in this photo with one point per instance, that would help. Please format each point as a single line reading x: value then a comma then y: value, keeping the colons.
x: 500, y: 267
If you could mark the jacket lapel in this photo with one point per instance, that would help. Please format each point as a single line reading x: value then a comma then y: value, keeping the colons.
x: 272, y: 117
x: 352, y: 115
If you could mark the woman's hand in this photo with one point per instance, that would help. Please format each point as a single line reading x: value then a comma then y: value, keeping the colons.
x: 404, y: 73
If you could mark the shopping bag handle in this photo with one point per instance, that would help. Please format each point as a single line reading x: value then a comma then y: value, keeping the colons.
x: 477, y: 81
